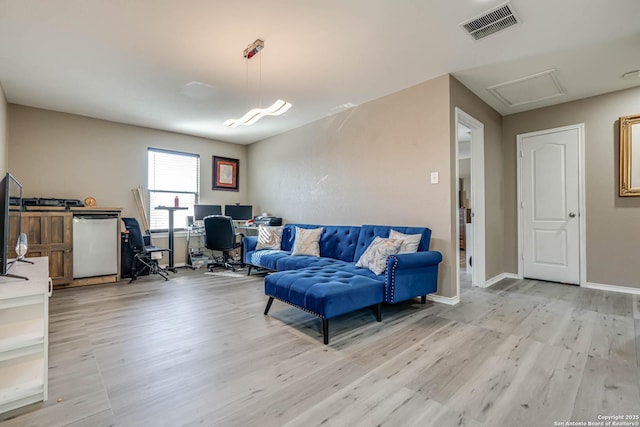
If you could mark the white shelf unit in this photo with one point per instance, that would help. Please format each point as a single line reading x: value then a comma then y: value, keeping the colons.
x: 24, y: 334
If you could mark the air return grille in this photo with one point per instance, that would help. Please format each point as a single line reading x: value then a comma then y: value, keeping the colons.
x: 497, y: 19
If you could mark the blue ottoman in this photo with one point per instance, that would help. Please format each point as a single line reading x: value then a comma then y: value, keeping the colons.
x: 324, y: 292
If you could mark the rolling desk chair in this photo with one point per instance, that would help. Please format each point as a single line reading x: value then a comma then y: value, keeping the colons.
x: 220, y: 235
x: 143, y: 255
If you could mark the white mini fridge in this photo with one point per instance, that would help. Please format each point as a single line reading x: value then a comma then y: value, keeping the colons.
x: 95, y: 246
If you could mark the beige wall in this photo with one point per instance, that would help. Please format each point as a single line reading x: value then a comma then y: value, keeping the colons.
x: 4, y: 146
x: 464, y: 99
x: 612, y: 222
x: 67, y: 156
x: 367, y: 165
x: 370, y: 164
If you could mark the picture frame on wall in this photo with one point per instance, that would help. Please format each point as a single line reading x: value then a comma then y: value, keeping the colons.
x: 225, y: 174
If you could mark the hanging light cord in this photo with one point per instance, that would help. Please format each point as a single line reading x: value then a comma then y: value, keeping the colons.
x: 260, y: 81
x: 246, y: 83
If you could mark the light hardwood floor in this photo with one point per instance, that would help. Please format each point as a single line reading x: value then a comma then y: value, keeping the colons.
x: 197, y: 350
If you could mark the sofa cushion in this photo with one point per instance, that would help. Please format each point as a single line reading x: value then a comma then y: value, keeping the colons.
x: 336, y: 241
x: 375, y: 257
x: 298, y: 262
x: 370, y: 232
x: 359, y: 271
x: 266, y: 258
x: 307, y: 242
x: 324, y: 291
x: 269, y: 237
x: 410, y: 242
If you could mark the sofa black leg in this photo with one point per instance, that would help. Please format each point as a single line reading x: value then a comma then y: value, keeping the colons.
x: 379, y: 312
x: 423, y: 299
x: 249, y: 270
x: 325, y: 330
x: 266, y: 310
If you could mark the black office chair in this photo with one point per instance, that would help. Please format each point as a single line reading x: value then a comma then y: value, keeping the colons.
x: 220, y: 235
x: 143, y: 258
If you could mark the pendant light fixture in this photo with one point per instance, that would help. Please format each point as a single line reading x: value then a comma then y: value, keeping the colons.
x: 277, y: 108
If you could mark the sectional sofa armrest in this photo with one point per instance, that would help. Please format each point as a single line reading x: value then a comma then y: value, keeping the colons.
x: 411, y: 275
x: 415, y: 260
x: 249, y: 243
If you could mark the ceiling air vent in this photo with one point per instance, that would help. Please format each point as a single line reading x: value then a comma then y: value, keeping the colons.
x: 497, y: 19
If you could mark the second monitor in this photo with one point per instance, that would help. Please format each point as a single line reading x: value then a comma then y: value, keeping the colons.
x: 200, y: 211
x: 239, y: 212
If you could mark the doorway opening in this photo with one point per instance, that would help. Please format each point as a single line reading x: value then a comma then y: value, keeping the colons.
x: 465, y: 207
x: 470, y: 223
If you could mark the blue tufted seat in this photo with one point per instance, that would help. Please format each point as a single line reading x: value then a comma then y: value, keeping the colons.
x: 325, y: 292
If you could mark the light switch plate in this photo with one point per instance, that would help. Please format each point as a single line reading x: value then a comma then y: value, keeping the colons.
x: 435, y: 178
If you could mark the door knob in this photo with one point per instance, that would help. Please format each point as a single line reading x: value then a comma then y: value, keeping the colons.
x: 572, y: 215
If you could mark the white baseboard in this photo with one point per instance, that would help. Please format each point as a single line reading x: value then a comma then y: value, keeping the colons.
x: 443, y: 300
x: 612, y: 288
x: 498, y: 278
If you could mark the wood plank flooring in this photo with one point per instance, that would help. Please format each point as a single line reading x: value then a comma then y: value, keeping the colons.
x: 197, y: 350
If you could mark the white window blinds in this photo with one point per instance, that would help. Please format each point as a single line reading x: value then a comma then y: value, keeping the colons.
x: 172, y: 174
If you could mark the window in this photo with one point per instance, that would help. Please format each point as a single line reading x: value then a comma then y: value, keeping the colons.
x: 172, y: 174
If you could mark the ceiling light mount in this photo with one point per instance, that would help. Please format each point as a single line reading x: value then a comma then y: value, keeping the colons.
x: 253, y: 49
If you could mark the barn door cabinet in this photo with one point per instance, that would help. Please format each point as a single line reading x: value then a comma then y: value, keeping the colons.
x: 50, y: 234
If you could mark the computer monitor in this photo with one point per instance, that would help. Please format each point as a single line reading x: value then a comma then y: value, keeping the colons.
x: 200, y: 211
x: 239, y: 212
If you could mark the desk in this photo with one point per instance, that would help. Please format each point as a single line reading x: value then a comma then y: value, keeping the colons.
x: 195, y: 231
x: 247, y: 230
x: 171, y: 210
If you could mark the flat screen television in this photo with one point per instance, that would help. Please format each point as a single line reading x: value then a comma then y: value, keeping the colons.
x: 239, y: 212
x: 200, y: 211
x: 10, y: 221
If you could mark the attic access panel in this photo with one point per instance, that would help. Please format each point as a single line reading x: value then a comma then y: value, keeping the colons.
x: 529, y: 89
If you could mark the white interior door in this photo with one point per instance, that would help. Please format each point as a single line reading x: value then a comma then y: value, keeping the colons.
x: 550, y: 202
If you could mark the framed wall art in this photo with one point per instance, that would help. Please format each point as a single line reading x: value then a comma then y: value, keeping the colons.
x: 225, y: 173
x: 630, y: 155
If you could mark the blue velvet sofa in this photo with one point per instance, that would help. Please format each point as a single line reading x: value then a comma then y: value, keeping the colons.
x: 331, y: 285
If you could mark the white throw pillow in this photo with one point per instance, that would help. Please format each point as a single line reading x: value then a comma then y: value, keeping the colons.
x: 375, y: 257
x: 269, y: 237
x: 307, y: 241
x: 410, y: 242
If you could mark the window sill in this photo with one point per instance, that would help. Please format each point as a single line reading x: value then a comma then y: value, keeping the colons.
x: 161, y: 234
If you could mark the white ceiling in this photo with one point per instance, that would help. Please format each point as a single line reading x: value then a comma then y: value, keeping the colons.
x: 129, y: 60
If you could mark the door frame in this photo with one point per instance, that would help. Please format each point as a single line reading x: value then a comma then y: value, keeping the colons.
x: 581, y: 195
x: 478, y: 275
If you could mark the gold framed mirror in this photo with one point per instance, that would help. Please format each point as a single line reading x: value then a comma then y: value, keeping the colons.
x: 630, y: 155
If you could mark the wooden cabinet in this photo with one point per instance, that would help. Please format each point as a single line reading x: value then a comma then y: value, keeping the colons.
x: 24, y: 324
x: 50, y: 234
